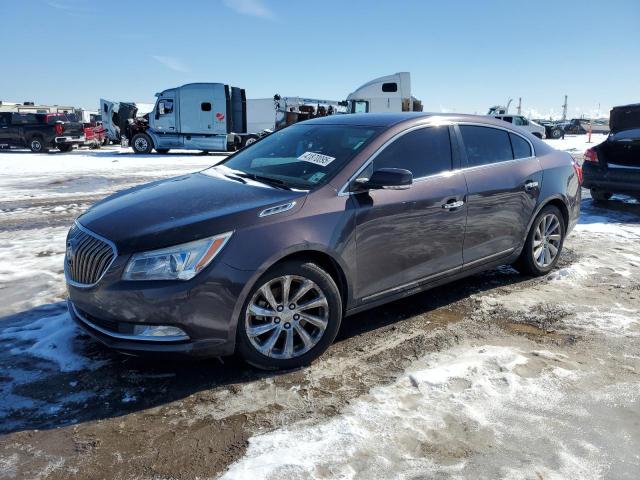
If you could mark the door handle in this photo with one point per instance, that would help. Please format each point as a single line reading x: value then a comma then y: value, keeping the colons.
x: 451, y: 205
x: 530, y: 186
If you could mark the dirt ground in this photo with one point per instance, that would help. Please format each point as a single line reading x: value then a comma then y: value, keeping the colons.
x: 495, y: 376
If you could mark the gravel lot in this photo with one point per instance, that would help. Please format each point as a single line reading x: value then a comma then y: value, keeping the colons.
x: 495, y: 376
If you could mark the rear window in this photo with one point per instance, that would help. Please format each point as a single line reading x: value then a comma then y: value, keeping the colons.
x: 521, y: 148
x: 56, y: 117
x: 485, y: 145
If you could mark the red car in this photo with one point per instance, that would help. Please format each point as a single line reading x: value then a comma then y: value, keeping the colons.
x: 95, y: 135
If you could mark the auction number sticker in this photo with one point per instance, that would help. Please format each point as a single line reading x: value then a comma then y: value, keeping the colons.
x: 317, y: 158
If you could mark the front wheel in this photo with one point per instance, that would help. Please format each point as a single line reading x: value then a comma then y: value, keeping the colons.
x: 291, y: 316
x: 141, y: 143
x: 544, y: 243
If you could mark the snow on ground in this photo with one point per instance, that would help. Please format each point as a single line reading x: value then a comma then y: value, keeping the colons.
x: 576, y: 144
x: 509, y: 410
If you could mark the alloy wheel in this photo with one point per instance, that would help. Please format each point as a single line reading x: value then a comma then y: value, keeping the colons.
x: 287, y: 317
x: 546, y: 240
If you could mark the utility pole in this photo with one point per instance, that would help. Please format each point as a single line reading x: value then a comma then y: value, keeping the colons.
x: 519, y: 105
x: 564, y: 109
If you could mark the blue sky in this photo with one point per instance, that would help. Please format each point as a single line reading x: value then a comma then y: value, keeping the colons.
x: 463, y: 55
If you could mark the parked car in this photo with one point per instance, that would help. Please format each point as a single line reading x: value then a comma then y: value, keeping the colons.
x: 614, y: 165
x: 522, y: 122
x: 40, y: 131
x: 95, y: 135
x: 266, y: 252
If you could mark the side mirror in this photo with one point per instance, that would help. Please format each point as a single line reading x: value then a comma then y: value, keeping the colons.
x: 387, y: 179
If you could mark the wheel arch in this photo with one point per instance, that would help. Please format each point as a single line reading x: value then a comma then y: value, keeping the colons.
x: 311, y: 253
x: 557, y: 201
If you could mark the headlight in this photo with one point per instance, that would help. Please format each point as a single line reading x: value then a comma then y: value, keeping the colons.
x: 180, y: 262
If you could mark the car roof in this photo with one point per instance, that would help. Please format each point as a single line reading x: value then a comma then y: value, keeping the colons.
x: 390, y: 119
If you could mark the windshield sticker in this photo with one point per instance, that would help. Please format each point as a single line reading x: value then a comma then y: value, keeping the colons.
x: 316, y: 177
x: 317, y: 158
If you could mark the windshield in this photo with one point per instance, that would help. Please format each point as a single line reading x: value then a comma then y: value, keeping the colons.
x: 301, y: 156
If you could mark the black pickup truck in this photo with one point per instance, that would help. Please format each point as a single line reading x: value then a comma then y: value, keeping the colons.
x: 40, y: 131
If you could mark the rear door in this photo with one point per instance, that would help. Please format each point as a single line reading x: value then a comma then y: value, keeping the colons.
x: 504, y: 179
x: 405, y: 237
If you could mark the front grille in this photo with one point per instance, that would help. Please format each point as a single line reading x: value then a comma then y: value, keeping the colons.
x: 87, y: 257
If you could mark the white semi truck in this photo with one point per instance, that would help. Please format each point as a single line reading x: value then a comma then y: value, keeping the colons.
x: 217, y: 117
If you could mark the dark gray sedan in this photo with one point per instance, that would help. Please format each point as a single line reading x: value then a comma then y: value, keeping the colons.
x: 266, y: 252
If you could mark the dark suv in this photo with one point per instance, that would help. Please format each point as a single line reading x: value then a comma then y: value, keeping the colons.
x: 40, y: 131
x: 265, y: 252
x: 614, y: 165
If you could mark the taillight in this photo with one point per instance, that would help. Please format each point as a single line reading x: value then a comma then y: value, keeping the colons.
x: 59, y: 129
x: 578, y: 168
x: 591, y: 156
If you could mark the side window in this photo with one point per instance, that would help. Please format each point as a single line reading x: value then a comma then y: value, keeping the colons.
x: 508, y: 119
x: 521, y: 148
x: 390, y: 87
x: 205, y: 106
x: 423, y: 152
x: 165, y: 107
x: 485, y: 145
x: 360, y: 106
x: 520, y: 121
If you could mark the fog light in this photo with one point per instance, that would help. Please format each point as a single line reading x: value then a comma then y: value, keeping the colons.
x: 166, y: 332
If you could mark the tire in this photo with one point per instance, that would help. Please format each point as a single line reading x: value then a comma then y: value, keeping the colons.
x: 533, y: 260
x: 271, y: 350
x: 248, y: 140
x: 141, y: 143
x: 65, y: 147
x: 556, y: 133
x: 599, y: 196
x: 162, y: 151
x: 37, y: 145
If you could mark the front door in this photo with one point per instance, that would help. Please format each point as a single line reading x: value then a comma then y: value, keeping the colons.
x: 405, y: 237
x: 504, y: 179
x: 165, y: 114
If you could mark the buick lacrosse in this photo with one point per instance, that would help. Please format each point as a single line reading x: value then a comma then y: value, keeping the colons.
x: 264, y: 253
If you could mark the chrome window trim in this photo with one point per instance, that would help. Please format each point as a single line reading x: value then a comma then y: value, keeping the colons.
x: 101, y: 238
x: 503, y: 162
x: 344, y: 190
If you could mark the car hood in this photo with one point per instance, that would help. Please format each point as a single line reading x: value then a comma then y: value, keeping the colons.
x: 182, y: 209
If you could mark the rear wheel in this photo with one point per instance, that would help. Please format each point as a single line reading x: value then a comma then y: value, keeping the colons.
x: 37, y: 145
x: 65, y: 147
x: 556, y: 133
x: 141, y: 143
x: 544, y: 243
x: 291, y: 316
x: 600, y: 196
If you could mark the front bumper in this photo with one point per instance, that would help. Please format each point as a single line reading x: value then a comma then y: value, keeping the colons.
x: 75, y: 139
x: 205, y: 308
x: 613, y: 180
